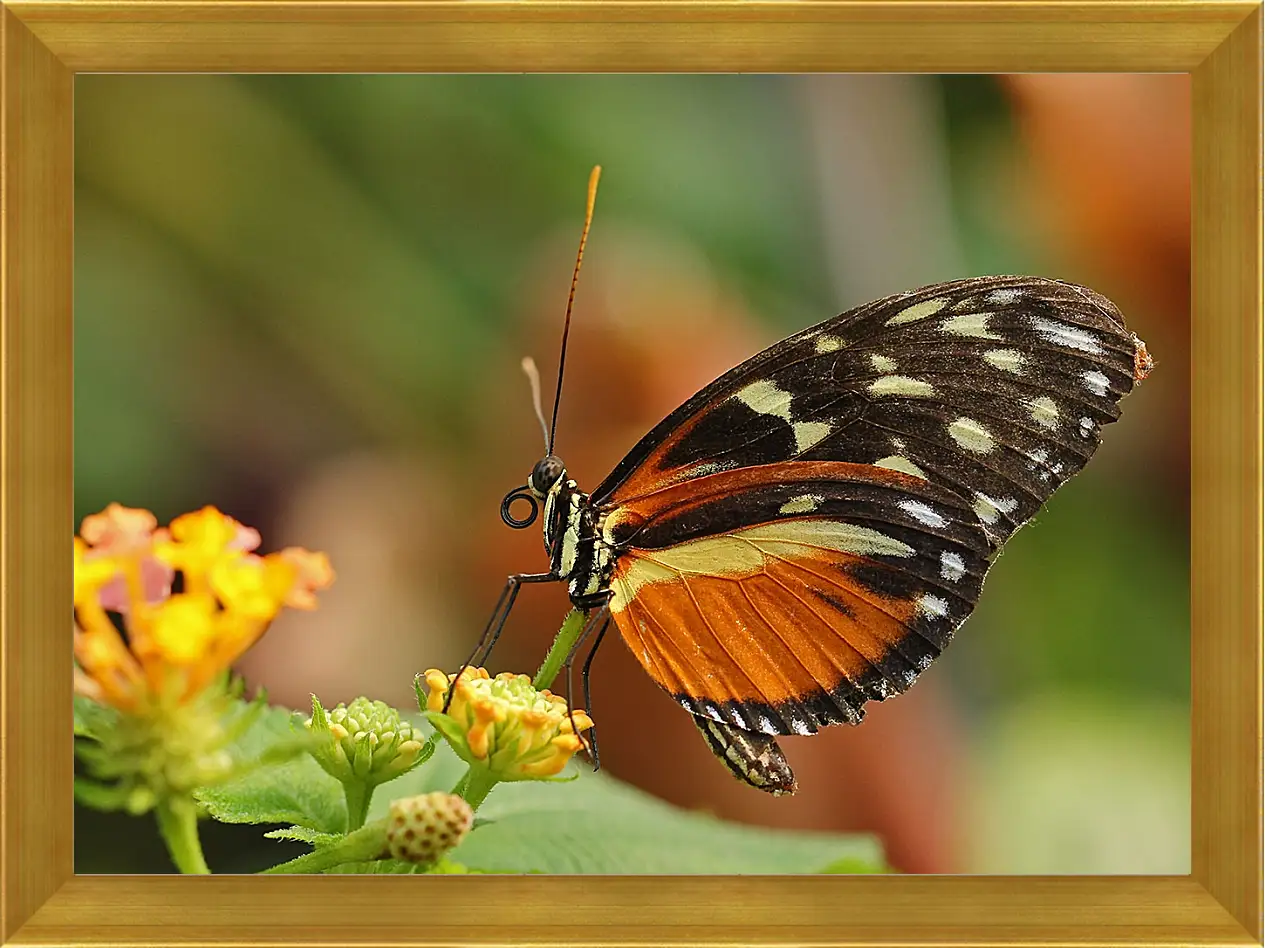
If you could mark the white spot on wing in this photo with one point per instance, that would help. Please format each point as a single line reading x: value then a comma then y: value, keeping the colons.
x: 901, y: 385
x: 1008, y: 360
x: 971, y: 435
x: 882, y: 363
x: 990, y: 509
x: 923, y: 513
x: 969, y: 324
x: 951, y: 567
x: 1044, y: 412
x: 1087, y: 427
x: 1004, y: 295
x: 930, y: 605
x: 897, y: 462
x: 918, y: 311
x: 1062, y: 334
x: 1096, y: 382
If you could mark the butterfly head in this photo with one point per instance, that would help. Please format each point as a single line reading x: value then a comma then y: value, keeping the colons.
x: 545, y: 478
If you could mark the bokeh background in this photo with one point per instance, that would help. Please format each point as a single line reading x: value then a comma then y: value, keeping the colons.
x: 304, y: 300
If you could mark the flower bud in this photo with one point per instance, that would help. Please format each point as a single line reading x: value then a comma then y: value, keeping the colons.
x: 504, y: 724
x: 364, y: 741
x: 421, y: 829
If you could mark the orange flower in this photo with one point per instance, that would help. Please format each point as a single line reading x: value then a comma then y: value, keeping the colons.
x: 176, y: 644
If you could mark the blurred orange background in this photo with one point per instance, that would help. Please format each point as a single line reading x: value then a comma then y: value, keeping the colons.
x: 304, y: 299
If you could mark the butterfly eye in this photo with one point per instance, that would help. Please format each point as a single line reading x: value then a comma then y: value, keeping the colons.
x: 546, y: 473
x: 507, y: 515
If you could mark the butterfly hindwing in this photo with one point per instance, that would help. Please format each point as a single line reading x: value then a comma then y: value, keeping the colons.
x: 780, y: 598
x: 995, y: 387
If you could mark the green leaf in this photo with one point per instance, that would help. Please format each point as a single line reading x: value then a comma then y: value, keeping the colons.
x: 297, y: 791
x: 99, y: 796
x: 93, y: 719
x: 304, y: 834
x: 853, y: 865
x: 596, y: 824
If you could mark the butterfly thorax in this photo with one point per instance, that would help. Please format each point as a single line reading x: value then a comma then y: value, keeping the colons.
x: 576, y: 550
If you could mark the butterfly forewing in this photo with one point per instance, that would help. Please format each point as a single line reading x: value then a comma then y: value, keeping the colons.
x: 995, y: 388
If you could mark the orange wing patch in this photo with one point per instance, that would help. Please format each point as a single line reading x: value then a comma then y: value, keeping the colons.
x: 773, y: 628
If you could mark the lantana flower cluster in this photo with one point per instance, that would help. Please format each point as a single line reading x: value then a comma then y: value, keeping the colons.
x: 174, y: 643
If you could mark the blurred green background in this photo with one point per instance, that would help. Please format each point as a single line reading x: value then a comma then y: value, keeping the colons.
x: 304, y: 298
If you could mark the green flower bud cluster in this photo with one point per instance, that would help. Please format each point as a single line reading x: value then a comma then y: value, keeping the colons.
x: 364, y: 742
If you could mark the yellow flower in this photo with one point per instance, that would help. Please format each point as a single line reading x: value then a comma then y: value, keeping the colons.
x: 175, y: 644
x: 504, y: 724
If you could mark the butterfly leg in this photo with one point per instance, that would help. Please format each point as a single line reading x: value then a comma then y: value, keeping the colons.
x: 492, y: 631
x: 599, y: 621
x: 584, y: 686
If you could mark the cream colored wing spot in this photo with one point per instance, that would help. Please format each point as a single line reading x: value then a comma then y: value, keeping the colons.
x: 804, y: 503
x: 1044, y: 412
x: 971, y: 435
x: 969, y: 324
x: 897, y: 462
x: 765, y: 398
x: 828, y: 343
x: 901, y: 385
x: 883, y: 363
x: 918, y: 311
x: 1008, y: 360
x: 808, y: 433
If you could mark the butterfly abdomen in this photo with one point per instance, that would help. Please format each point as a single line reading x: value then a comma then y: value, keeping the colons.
x: 755, y: 759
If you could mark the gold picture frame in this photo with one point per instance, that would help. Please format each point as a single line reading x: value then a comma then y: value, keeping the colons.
x: 46, y: 42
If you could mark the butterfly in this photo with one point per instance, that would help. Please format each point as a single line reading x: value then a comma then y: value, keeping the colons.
x: 806, y: 533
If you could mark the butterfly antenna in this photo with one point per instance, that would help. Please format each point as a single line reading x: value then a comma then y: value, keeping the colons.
x: 533, y: 377
x: 575, y: 276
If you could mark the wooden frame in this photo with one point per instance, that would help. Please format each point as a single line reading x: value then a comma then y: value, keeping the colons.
x: 45, y: 43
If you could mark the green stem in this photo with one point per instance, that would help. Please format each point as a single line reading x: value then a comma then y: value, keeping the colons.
x: 178, y: 824
x: 358, y: 794
x: 565, y: 640
x: 478, y: 784
x: 460, y: 789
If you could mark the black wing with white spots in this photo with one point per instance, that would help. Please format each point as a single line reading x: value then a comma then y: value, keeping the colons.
x: 996, y: 388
